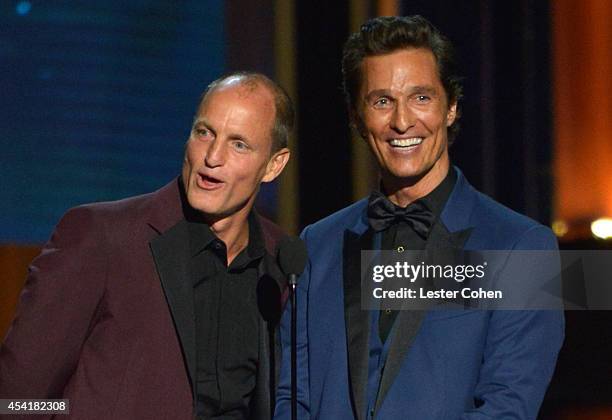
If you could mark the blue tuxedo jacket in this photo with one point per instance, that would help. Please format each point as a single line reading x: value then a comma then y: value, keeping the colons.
x: 468, y: 364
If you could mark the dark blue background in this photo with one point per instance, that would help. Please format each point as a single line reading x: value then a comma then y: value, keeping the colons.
x: 97, y: 100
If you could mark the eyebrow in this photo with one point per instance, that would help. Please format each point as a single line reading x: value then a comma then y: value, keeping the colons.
x: 424, y: 89
x: 203, y: 123
x: 200, y: 122
x: 430, y: 90
x: 236, y: 136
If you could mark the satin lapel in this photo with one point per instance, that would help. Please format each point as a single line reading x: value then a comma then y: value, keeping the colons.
x: 450, y: 233
x: 357, y: 320
x: 408, y: 322
x: 171, y: 254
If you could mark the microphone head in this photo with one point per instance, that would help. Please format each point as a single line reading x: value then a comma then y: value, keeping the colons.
x: 292, y: 255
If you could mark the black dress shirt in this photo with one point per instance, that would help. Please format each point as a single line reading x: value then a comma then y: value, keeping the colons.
x: 227, y: 322
x: 402, y: 235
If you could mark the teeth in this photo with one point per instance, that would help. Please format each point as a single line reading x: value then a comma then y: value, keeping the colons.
x: 406, y: 142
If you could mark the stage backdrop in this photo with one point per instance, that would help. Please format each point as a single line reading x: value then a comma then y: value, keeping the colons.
x: 97, y: 101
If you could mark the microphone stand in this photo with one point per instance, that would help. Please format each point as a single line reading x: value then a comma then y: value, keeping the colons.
x: 292, y: 256
x: 292, y: 280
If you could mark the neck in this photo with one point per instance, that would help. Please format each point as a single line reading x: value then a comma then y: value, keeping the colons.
x: 403, y: 191
x: 233, y: 230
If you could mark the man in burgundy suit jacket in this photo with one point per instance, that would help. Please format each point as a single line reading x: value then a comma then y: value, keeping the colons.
x: 107, y: 317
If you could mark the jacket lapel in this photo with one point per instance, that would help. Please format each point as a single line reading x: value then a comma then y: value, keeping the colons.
x: 171, y: 255
x: 170, y: 249
x: 357, y: 320
x: 441, y: 242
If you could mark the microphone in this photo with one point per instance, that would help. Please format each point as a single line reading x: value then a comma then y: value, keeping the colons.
x: 292, y: 257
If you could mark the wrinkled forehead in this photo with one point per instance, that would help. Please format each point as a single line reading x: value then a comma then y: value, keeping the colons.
x: 401, y: 65
x: 239, y: 110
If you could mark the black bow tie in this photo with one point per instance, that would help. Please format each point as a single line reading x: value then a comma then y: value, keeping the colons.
x: 383, y: 214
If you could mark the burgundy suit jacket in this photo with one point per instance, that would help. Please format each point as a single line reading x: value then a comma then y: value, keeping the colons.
x: 106, y: 317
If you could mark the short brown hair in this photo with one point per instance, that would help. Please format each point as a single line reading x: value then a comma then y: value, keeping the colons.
x: 383, y: 35
x: 284, y: 115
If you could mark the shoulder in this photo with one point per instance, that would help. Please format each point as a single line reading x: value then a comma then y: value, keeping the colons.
x: 119, y: 220
x: 270, y: 228
x: 108, y: 211
x: 271, y: 232
x: 508, y: 228
x: 336, y: 223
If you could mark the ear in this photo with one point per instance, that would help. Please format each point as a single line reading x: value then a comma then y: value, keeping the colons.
x: 357, y: 123
x: 451, y: 114
x: 276, y: 164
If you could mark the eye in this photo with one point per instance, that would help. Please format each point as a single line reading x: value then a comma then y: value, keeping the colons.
x: 423, y: 98
x: 240, y: 146
x: 383, y: 102
x: 202, y: 132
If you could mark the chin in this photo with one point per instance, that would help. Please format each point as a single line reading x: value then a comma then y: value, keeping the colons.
x: 200, y: 204
x: 406, y: 173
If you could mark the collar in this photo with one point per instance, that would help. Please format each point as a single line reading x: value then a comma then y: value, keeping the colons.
x: 436, y: 199
x: 201, y: 237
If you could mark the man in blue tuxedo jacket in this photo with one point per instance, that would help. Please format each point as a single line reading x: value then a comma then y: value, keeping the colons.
x: 460, y: 364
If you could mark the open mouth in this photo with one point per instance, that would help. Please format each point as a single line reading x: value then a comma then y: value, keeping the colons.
x: 208, y: 182
x: 409, y: 143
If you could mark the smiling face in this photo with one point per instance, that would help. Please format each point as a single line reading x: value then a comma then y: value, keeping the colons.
x: 403, y: 114
x: 229, y: 151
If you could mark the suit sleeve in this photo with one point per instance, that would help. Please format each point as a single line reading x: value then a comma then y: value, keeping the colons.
x: 283, y: 395
x: 56, y: 310
x: 520, y: 352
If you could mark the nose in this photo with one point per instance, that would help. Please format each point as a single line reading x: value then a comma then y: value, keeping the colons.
x: 402, y: 118
x: 215, y: 154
